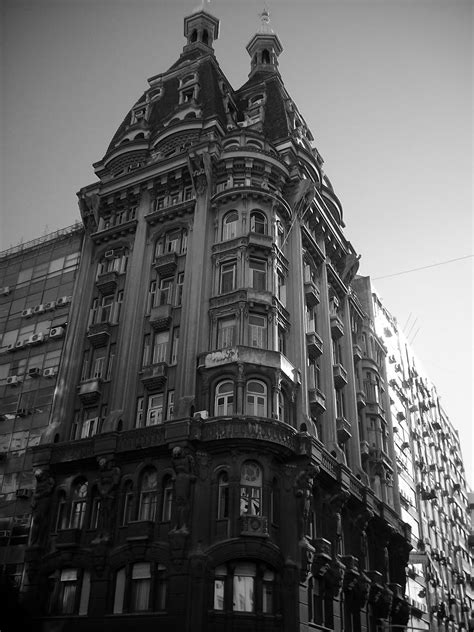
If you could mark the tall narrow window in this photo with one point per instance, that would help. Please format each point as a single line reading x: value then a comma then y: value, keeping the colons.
x: 146, y: 350
x: 174, y: 346
x: 79, y: 504
x: 228, y: 277
x: 118, y: 306
x: 154, y: 413
x: 110, y: 363
x: 219, y: 587
x: 139, y: 413
x: 257, y: 331
x: 250, y: 489
x: 179, y: 289
x: 256, y: 399
x: 106, y: 309
x: 160, y: 347
x: 258, y: 222
x: 258, y: 274
x: 229, y: 225
x: 98, y: 369
x: 170, y: 406
x: 127, y: 502
x: 62, y: 517
x: 226, y: 332
x: 161, y: 585
x: 140, y: 588
x: 167, y: 501
x: 166, y: 286
x: 68, y: 591
x: 281, y: 288
x: 223, y: 496
x: 268, y: 591
x: 224, y: 402
x: 148, y: 495
x: 120, y: 581
x: 244, y: 587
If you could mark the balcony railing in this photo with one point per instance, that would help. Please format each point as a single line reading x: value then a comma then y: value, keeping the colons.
x: 160, y: 317
x: 89, y: 391
x: 343, y: 428
x: 340, y: 375
x: 315, y: 344
x: 312, y: 293
x: 98, y: 334
x: 107, y: 282
x: 337, y: 326
x: 317, y: 401
x: 166, y: 264
x: 154, y: 376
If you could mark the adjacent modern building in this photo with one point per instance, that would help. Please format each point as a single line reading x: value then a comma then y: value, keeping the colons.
x: 36, y: 288
x: 222, y: 451
x: 431, y: 481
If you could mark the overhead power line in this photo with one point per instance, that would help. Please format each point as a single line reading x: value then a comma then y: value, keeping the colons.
x: 441, y: 263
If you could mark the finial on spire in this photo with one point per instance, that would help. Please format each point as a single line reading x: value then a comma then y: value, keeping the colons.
x: 265, y: 19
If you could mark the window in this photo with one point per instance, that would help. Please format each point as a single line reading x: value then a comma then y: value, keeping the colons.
x: 95, y: 511
x: 281, y: 340
x: 228, y: 277
x: 167, y: 501
x: 165, y: 293
x: 174, y: 346
x: 62, y: 516
x: 258, y: 274
x: 140, y: 588
x: 170, y: 406
x: 179, y: 289
x: 219, y: 586
x: 268, y: 582
x: 257, y: 331
x: 98, y: 369
x: 68, y: 584
x: 258, y: 222
x: 148, y: 495
x: 282, y: 407
x: 160, y: 347
x: 229, y: 225
x: 224, y: 402
x: 146, y: 350
x: 226, y: 332
x: 340, y: 404
x: 223, y: 496
x: 244, y: 588
x: 256, y: 399
x: 281, y: 289
x: 127, y: 502
x: 250, y: 489
x: 79, y: 505
x: 154, y: 414
x: 106, y: 309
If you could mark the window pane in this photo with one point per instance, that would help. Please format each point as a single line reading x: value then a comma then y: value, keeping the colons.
x: 218, y: 594
x: 243, y: 597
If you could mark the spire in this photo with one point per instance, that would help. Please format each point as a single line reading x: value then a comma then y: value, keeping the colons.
x: 201, y: 28
x: 264, y: 47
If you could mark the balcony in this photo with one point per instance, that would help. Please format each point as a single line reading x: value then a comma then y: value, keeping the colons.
x: 364, y: 449
x: 337, y: 326
x: 154, y: 376
x: 361, y: 401
x: 257, y: 240
x: 254, y: 526
x: 166, y: 264
x: 377, y: 455
x: 89, y: 391
x: 68, y: 538
x: 317, y: 401
x: 98, y: 334
x: 160, y: 317
x: 311, y: 293
x: 314, y: 344
x: 139, y: 530
x: 343, y: 428
x: 107, y: 282
x: 340, y: 375
x: 356, y: 352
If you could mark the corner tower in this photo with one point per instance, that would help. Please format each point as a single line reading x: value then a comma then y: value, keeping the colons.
x: 203, y: 456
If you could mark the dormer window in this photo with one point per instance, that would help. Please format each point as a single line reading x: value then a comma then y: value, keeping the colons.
x: 265, y: 56
x: 138, y: 114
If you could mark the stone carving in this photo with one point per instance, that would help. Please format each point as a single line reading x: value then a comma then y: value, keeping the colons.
x: 41, y: 506
x: 322, y: 557
x: 107, y: 484
x: 303, y: 488
x: 335, y: 577
x: 200, y: 168
x: 183, y: 465
x: 301, y: 196
x: 351, y: 265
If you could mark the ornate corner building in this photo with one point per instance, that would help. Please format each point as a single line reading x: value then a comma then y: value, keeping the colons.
x: 220, y: 453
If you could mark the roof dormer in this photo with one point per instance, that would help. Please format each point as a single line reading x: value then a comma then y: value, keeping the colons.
x: 264, y: 48
x: 200, y: 29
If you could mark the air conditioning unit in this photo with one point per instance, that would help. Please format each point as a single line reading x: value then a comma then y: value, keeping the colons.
x: 38, y: 309
x: 35, y: 372
x: 27, y: 313
x: 14, y: 380
x: 5, y: 291
x: 64, y: 300
x: 22, y: 412
x: 51, y: 372
x: 56, y: 332
x: 19, y: 344
x: 23, y: 492
x: 201, y: 414
x: 49, y: 306
x: 109, y: 254
x: 35, y: 339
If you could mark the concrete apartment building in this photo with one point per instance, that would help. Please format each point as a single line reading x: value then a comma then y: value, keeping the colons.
x: 36, y: 287
x: 220, y: 453
x: 431, y: 481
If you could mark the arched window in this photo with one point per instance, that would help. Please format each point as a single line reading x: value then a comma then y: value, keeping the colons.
x: 79, y: 505
x: 224, y: 401
x: 205, y: 37
x: 229, y: 225
x: 241, y: 585
x: 256, y: 399
x: 148, y: 495
x: 69, y: 591
x: 194, y: 36
x: 223, y: 496
x: 258, y: 222
x: 167, y: 502
x: 250, y: 489
x: 265, y: 56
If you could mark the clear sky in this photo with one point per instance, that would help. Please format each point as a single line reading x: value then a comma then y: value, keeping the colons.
x: 384, y: 85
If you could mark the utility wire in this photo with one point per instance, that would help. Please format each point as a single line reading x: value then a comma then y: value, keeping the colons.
x: 441, y: 263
